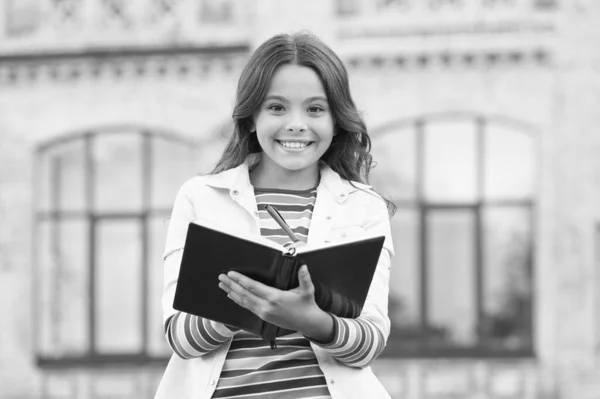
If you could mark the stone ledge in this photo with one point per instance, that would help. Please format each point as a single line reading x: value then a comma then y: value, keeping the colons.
x: 119, y: 64
x: 455, y: 60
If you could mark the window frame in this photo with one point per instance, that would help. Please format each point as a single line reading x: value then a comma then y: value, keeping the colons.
x: 395, y: 347
x: 91, y: 357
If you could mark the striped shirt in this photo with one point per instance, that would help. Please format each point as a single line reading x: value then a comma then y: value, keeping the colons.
x: 252, y: 368
x: 296, y: 208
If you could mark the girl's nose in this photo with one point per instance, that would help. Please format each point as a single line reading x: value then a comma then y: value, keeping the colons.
x: 296, y: 124
x: 295, y: 128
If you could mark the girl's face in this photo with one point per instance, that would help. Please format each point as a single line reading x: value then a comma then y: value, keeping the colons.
x: 294, y: 125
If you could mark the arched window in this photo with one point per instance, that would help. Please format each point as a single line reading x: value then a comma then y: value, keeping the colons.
x: 103, y: 202
x: 461, y: 280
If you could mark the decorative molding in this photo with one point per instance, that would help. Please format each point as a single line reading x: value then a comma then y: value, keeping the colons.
x: 399, y: 31
x: 411, y: 9
x: 403, y: 19
x: 202, y: 64
x: 542, y: 57
x: 34, y: 25
x: 167, y: 63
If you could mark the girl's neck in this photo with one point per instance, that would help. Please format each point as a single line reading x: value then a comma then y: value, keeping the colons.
x: 305, y: 179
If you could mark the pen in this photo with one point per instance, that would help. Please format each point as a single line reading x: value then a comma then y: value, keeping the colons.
x: 281, y: 222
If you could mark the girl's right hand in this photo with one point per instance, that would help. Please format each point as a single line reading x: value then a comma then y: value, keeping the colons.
x: 295, y: 309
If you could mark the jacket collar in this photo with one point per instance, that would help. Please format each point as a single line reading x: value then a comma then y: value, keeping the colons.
x: 238, y: 178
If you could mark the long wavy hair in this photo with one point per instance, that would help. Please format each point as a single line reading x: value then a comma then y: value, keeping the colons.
x: 348, y: 154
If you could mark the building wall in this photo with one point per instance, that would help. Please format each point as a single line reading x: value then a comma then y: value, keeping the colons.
x: 557, y: 93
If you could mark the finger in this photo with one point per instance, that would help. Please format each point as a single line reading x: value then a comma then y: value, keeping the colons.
x: 239, y: 294
x: 225, y: 283
x: 231, y: 286
x: 224, y: 286
x: 257, y: 288
x: 304, y: 280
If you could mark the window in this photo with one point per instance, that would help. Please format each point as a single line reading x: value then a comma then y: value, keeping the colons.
x: 461, y: 281
x: 104, y: 202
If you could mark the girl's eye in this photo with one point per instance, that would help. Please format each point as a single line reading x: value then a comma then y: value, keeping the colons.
x: 315, y: 109
x: 275, y: 107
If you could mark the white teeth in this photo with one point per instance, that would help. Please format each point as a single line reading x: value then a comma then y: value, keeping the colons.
x: 294, y: 144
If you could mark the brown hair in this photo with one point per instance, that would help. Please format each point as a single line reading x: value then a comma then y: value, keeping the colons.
x: 348, y: 155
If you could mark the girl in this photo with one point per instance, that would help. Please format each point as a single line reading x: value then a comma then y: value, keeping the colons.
x: 298, y: 143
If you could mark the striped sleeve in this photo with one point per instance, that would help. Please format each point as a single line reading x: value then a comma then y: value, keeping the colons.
x: 356, y: 342
x: 191, y: 336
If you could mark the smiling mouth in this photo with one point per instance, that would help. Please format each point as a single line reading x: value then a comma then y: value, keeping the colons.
x: 295, y: 144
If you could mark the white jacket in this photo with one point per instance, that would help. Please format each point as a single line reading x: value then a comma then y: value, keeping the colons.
x: 226, y: 201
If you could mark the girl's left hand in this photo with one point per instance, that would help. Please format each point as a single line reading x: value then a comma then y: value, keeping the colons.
x: 295, y: 309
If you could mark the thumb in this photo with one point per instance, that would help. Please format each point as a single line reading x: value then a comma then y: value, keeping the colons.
x: 304, y: 279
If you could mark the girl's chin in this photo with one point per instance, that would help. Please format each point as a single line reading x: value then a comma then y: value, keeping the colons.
x: 297, y: 166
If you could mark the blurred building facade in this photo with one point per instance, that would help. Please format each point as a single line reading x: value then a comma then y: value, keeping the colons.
x: 484, y: 121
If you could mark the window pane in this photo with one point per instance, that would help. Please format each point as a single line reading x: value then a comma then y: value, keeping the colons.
x: 405, y: 277
x: 63, y: 258
x: 450, y: 163
x: 450, y: 253
x: 47, y: 295
x: 118, y: 283
x: 157, y: 235
x: 118, y: 172
x: 172, y: 165
x: 509, y: 171
x: 62, y: 174
x: 394, y: 176
x: 507, y: 278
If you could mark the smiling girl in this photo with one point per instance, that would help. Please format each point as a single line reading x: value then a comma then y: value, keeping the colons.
x: 300, y: 144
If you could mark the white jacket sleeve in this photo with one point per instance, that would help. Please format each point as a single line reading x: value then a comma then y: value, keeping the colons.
x: 358, y: 342
x: 189, y: 336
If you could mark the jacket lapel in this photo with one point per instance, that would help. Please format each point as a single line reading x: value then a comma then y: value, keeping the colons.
x: 237, y: 182
x: 332, y: 194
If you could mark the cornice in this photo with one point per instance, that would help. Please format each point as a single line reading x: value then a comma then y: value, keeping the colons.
x: 202, y: 63
x: 121, y: 63
x: 446, y: 60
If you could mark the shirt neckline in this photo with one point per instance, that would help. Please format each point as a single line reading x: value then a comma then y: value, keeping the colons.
x: 283, y: 191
